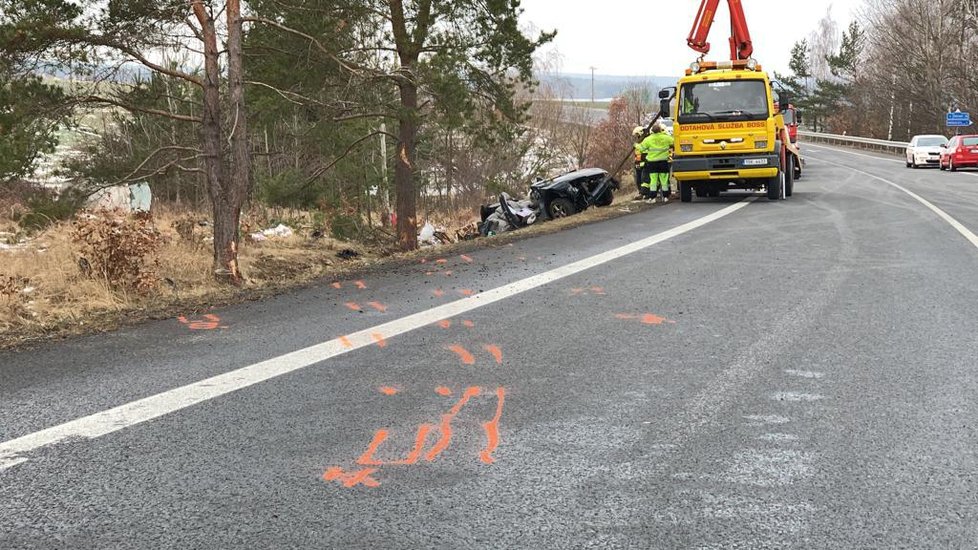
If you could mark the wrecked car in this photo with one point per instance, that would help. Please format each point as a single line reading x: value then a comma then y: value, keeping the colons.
x: 507, y: 215
x: 574, y: 192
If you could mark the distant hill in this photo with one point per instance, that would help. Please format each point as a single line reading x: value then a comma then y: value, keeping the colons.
x: 605, y: 86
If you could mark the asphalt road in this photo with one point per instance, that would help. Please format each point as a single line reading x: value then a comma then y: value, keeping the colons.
x: 798, y: 374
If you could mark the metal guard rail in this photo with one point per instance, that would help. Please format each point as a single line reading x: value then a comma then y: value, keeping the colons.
x: 897, y: 147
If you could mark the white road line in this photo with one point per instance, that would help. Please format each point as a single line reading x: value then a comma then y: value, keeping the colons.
x: 964, y: 231
x: 143, y: 410
x: 874, y: 157
x: 848, y: 152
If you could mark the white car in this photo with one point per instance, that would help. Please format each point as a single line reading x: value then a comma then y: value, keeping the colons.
x: 925, y: 150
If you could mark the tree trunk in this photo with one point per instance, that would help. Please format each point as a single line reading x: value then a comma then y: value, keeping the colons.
x: 239, y: 186
x: 226, y: 211
x: 407, y: 134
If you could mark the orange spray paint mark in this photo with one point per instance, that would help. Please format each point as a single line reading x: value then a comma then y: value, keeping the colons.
x: 207, y: 322
x: 597, y: 290
x: 492, y: 429
x: 353, y: 306
x: 441, y: 261
x: 446, y: 324
x: 379, y: 339
x: 446, y: 423
x: 443, y: 391
x: 466, y: 258
x: 577, y: 291
x: 367, y: 458
x: 337, y: 286
x: 468, y: 324
x: 345, y: 342
x: 378, y: 306
x: 352, y: 479
x: 651, y: 319
x: 467, y: 292
x: 438, y: 292
x: 496, y: 353
x: 361, y: 285
x: 387, y: 390
x: 463, y: 354
x: 447, y: 273
x: 419, y: 441
x: 429, y: 273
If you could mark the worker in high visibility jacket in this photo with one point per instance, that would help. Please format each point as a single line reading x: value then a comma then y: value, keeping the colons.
x: 639, y: 134
x: 658, y: 152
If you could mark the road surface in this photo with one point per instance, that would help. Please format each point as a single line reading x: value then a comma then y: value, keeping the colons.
x: 721, y: 374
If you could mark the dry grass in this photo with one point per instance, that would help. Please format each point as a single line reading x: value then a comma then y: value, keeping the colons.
x: 54, y: 296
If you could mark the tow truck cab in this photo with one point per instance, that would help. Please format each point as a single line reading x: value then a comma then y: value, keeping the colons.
x: 729, y: 133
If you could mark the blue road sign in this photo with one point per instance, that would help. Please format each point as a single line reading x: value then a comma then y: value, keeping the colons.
x: 958, y: 119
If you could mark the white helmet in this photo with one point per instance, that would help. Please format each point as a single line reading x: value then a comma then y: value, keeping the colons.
x: 639, y: 130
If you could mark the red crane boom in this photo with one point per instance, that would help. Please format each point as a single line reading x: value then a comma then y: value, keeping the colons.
x: 741, y: 46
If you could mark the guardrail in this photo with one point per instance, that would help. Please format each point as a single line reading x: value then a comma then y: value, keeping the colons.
x: 895, y: 147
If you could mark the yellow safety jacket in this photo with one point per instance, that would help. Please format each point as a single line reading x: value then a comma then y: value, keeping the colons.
x: 656, y: 147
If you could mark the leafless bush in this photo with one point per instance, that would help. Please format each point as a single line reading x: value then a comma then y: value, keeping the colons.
x: 119, y: 249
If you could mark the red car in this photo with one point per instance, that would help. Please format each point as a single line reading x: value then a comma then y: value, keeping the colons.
x: 961, y: 152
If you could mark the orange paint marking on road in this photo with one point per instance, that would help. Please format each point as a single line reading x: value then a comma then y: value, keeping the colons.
x: 387, y: 390
x: 337, y: 285
x: 445, y: 323
x: 646, y: 319
x: 207, y: 322
x: 467, y: 292
x: 443, y: 391
x: 379, y: 339
x: 441, y: 261
x: 438, y: 292
x: 447, y: 273
x: 419, y: 441
x: 492, y: 429
x: 446, y: 423
x: 468, y: 324
x: 652, y: 319
x: 345, y: 342
x: 496, y: 353
x: 429, y: 273
x: 378, y: 306
x: 353, y: 306
x: 466, y: 258
x: 463, y: 354
x: 361, y: 285
x: 367, y: 458
x: 597, y: 290
x: 352, y: 479
x: 577, y: 291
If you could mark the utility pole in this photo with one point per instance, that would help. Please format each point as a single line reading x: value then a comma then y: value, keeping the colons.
x: 592, y: 84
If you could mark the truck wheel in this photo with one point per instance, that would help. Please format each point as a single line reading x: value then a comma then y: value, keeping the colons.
x: 789, y: 176
x: 685, y: 192
x: 774, y: 187
x: 561, y: 208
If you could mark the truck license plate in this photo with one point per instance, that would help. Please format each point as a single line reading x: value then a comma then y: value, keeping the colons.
x: 755, y: 162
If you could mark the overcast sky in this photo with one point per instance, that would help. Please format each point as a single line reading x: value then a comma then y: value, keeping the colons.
x: 648, y: 38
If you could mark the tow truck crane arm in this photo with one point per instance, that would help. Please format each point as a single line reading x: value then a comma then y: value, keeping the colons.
x: 741, y: 46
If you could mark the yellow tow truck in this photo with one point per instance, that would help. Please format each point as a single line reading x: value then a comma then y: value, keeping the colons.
x: 729, y: 130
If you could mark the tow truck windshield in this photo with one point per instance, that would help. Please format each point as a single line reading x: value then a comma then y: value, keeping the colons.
x: 723, y: 100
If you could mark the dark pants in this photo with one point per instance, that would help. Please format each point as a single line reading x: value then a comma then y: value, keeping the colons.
x: 639, y: 178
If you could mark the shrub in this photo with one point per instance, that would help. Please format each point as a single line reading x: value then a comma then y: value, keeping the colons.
x: 44, y: 209
x: 119, y: 249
